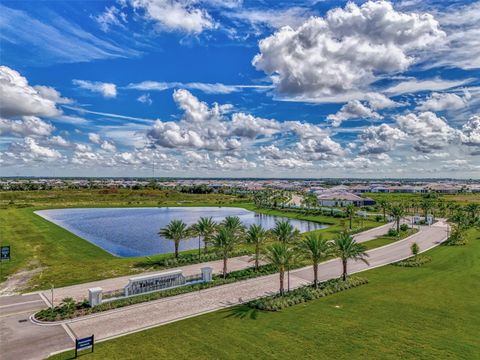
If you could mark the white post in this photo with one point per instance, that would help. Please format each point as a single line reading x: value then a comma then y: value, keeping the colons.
x: 95, y: 296
x: 207, y: 274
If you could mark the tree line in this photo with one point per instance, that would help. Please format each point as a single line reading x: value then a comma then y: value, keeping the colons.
x: 282, y: 246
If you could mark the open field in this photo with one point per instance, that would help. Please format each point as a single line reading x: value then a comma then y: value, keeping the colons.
x: 56, y: 256
x: 431, y: 312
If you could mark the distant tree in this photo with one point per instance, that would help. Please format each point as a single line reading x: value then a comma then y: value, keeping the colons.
x: 384, y: 204
x: 397, y: 212
x: 175, y: 231
x: 350, y: 211
x: 347, y: 248
x: 472, y: 209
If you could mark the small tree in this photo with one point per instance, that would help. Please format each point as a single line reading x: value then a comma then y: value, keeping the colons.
x: 204, y: 228
x: 384, y: 206
x: 415, y: 249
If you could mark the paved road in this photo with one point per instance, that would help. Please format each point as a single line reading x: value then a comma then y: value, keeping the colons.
x: 80, y: 291
x: 142, y: 316
x: 20, y: 338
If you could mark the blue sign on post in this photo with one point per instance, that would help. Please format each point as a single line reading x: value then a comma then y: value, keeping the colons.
x: 5, y: 252
x: 84, y: 343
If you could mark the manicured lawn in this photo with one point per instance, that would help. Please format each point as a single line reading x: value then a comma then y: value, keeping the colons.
x: 431, y: 312
x: 65, y: 259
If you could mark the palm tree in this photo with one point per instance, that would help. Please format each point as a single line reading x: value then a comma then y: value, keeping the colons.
x: 285, y: 232
x: 282, y: 256
x: 426, y: 205
x: 234, y: 224
x: 225, y: 241
x: 204, y: 228
x: 383, y: 203
x: 397, y: 212
x: 315, y: 248
x: 347, y: 248
x: 256, y: 235
x: 350, y: 211
x: 176, y: 231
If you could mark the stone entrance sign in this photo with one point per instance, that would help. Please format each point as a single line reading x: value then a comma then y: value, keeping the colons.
x: 147, y: 283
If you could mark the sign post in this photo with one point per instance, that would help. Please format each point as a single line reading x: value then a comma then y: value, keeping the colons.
x: 86, y: 342
x: 5, y: 252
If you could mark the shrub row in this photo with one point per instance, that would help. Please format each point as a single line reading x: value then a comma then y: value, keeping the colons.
x: 414, y: 261
x: 305, y: 293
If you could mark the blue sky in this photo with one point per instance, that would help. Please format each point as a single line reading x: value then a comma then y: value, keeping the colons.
x: 240, y: 88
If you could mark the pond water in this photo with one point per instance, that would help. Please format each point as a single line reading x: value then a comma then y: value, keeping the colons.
x: 134, y: 231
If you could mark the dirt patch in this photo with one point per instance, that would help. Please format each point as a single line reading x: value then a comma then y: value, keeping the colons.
x: 17, y: 282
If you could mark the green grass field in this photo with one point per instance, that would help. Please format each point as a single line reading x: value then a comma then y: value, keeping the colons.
x: 431, y: 312
x: 62, y: 259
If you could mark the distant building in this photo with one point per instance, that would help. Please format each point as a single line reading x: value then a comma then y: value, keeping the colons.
x: 343, y: 199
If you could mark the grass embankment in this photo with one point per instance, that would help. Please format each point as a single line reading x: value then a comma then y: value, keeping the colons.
x: 430, y: 312
x: 62, y: 258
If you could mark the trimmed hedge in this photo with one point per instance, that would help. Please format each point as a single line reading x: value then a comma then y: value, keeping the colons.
x: 414, y: 261
x: 305, y: 293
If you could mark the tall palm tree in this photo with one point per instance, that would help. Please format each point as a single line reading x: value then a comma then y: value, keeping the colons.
x: 256, y: 235
x: 176, y: 231
x: 285, y: 232
x: 347, y: 248
x: 282, y: 256
x: 383, y: 203
x: 225, y: 241
x: 350, y: 211
x: 426, y: 205
x: 204, y: 228
x: 397, y: 212
x: 315, y: 248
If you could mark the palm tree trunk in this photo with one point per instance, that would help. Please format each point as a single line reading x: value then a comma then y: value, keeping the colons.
x: 257, y: 255
x: 398, y: 225
x: 176, y: 248
x: 225, y: 258
x: 350, y: 223
x: 315, y: 275
x: 344, y: 264
x: 282, y: 276
x: 384, y: 214
x: 199, y: 247
x: 205, y: 246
